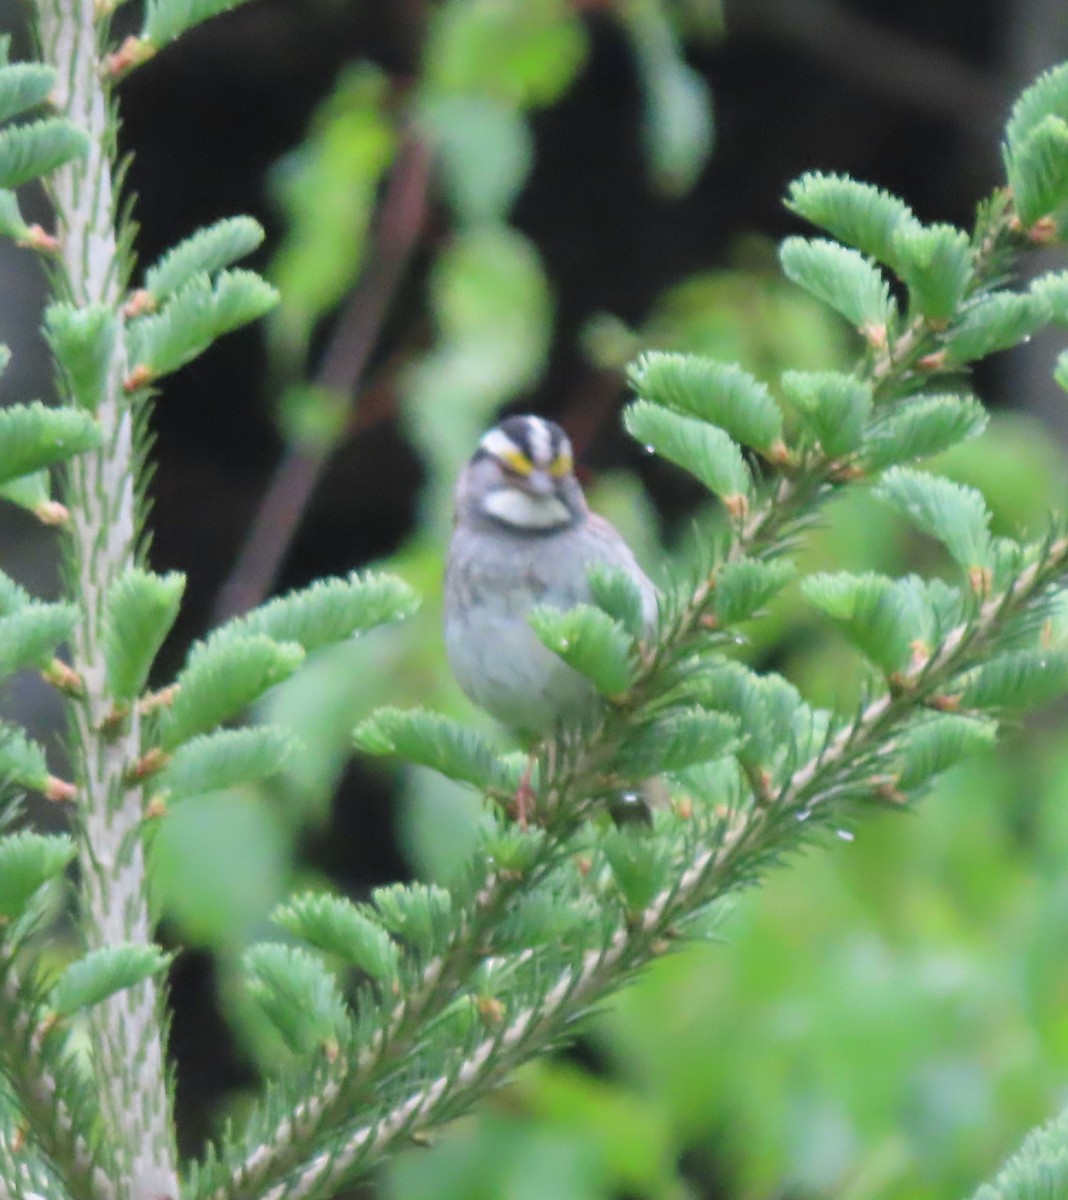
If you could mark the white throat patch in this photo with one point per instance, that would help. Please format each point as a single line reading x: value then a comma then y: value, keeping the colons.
x: 515, y: 507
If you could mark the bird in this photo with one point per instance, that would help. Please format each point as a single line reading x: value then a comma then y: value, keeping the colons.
x: 523, y: 535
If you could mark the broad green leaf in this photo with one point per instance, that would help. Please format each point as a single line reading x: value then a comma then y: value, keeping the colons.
x: 331, y: 610
x: 859, y: 214
x: 589, y: 640
x: 222, y: 677
x: 224, y: 759
x: 1037, y: 167
x: 956, y: 515
x: 166, y: 20
x: 431, y: 740
x: 28, y: 151
x: 935, y: 261
x: 677, y: 118
x: 995, y: 322
x: 327, y: 190
x: 205, y: 252
x: 833, y: 407
x: 298, y: 994
x: 492, y: 308
x: 524, y: 54
x: 921, y: 428
x: 337, y: 926
x: 29, y: 637
x: 485, y: 149
x: 33, y: 436
x: 940, y: 743
x: 82, y: 338
x: 27, y: 862
x: 141, y: 608
x: 703, y: 450
x: 23, y: 86
x: 103, y: 972
x: 721, y: 393
x: 843, y: 279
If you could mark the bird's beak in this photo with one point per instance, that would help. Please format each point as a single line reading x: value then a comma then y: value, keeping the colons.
x: 540, y: 483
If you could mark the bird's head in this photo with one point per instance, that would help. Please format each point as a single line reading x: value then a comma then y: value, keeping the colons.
x: 522, y: 477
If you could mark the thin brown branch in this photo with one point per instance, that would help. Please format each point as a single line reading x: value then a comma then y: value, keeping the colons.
x: 398, y: 229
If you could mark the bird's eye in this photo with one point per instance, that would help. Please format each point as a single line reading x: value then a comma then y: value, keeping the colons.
x: 515, y: 464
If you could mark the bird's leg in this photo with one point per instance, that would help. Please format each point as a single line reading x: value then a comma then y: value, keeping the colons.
x: 524, y: 794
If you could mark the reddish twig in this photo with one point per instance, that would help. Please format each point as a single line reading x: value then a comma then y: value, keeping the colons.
x: 399, y: 226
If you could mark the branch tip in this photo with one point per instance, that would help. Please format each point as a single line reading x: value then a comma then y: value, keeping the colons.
x: 151, y: 762
x: 59, y: 790
x: 934, y: 361
x: 875, y: 334
x: 491, y: 1010
x: 132, y: 53
x: 139, y: 303
x: 737, y: 505
x: 112, y: 724
x: 64, y: 678
x: 1044, y: 231
x: 51, y: 512
x: 140, y: 377
x: 981, y: 580
x: 164, y: 698
x: 38, y: 238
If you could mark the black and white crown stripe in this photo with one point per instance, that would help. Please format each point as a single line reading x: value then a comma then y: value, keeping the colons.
x: 538, y: 441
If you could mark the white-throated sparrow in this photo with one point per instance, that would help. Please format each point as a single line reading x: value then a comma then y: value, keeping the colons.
x: 524, y: 536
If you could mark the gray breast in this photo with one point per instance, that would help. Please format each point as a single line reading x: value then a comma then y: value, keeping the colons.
x: 491, y: 583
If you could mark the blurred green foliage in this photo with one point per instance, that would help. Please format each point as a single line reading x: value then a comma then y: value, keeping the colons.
x: 884, y: 1019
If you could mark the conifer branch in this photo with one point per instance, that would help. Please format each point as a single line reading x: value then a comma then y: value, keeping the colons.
x: 712, y: 867
x: 961, y: 647
x: 848, y: 768
x: 127, y: 1028
x: 44, y: 1097
x: 854, y: 763
x: 350, y: 1083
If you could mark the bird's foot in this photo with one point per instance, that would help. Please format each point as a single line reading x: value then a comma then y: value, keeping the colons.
x: 523, y: 801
